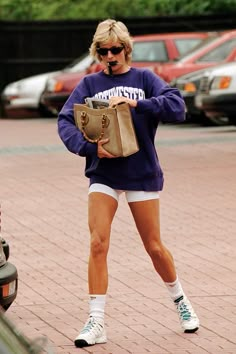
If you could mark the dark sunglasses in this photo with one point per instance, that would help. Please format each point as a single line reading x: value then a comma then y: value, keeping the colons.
x: 113, y: 50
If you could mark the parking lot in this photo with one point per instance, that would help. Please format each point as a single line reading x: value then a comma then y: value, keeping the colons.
x: 43, y: 196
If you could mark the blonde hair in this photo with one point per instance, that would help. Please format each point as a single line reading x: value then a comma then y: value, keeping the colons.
x: 111, y: 31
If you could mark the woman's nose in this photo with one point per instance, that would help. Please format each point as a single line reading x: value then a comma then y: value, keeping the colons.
x: 109, y: 54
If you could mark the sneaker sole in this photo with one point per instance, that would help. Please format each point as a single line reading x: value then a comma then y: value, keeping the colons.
x: 191, y: 330
x: 80, y: 343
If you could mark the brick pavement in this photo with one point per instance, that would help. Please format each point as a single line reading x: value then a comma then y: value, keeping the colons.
x: 44, y: 218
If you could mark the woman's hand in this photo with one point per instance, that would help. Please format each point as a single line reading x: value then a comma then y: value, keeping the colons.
x: 101, y: 151
x: 113, y: 101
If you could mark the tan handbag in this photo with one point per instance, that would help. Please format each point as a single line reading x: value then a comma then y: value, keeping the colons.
x: 113, y: 123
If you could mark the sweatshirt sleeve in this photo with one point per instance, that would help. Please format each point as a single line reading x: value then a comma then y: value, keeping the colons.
x: 163, y: 101
x: 70, y: 135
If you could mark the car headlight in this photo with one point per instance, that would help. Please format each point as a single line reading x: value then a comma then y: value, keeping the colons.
x: 221, y: 82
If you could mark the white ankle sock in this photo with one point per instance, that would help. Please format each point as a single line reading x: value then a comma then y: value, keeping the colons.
x: 97, y: 305
x: 175, y: 289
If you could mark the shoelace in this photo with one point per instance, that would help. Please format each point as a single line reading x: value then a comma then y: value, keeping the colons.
x: 184, y: 311
x: 92, y: 325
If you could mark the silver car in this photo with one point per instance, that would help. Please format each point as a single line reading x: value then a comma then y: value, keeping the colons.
x: 22, y: 98
x: 217, y: 94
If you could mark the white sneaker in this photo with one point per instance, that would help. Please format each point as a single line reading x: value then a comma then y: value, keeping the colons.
x: 92, y: 333
x: 188, y: 318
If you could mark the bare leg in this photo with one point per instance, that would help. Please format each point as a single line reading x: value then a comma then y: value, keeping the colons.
x: 101, y: 211
x: 147, y: 219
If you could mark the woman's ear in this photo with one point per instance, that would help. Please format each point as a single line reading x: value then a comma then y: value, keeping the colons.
x: 128, y: 50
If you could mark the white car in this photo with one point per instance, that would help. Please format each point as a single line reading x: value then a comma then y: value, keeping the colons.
x: 22, y: 98
x: 217, y: 94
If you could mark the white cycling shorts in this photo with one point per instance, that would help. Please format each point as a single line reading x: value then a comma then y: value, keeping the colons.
x: 131, y: 196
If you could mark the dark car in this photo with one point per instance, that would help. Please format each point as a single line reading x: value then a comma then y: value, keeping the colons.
x: 148, y: 51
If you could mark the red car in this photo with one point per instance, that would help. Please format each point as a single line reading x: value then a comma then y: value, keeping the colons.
x: 217, y: 51
x: 148, y: 51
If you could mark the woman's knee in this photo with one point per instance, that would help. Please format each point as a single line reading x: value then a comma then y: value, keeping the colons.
x: 156, y: 251
x: 98, y: 245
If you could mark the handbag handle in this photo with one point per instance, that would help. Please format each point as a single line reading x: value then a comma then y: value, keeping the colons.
x: 84, y: 121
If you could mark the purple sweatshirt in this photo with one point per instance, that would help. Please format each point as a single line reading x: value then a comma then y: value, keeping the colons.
x: 157, y: 102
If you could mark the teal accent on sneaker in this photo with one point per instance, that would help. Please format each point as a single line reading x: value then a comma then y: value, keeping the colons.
x: 187, y: 316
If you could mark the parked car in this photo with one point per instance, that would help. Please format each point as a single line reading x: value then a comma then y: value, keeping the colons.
x: 216, y: 51
x: 22, y: 98
x: 217, y: 94
x: 8, y: 277
x: 153, y: 49
x: 148, y: 51
x: 188, y: 85
x: 58, y: 89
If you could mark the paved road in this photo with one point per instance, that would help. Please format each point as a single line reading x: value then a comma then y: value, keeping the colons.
x: 44, y: 218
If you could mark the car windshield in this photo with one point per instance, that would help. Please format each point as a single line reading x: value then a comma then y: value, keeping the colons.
x: 151, y: 51
x: 79, y: 64
x: 186, y: 45
x: 220, y: 53
x: 155, y: 50
x: 195, y: 50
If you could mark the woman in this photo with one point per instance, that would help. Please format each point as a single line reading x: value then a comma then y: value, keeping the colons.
x: 139, y: 176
